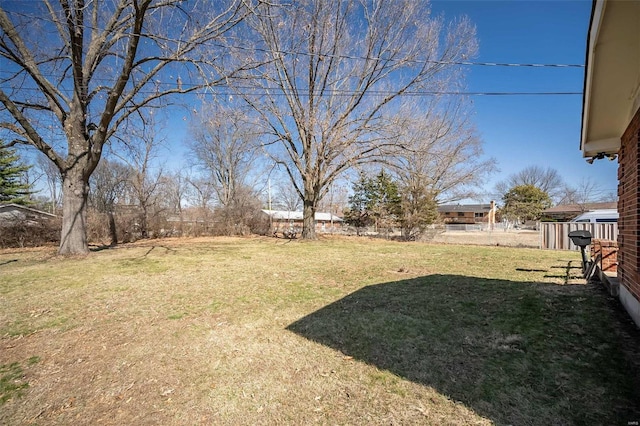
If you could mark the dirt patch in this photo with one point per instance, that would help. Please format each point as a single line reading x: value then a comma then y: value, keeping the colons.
x: 530, y: 239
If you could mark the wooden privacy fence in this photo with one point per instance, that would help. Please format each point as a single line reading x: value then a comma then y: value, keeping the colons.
x: 555, y: 235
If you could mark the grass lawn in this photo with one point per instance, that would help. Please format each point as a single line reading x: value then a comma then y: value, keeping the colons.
x: 337, y: 331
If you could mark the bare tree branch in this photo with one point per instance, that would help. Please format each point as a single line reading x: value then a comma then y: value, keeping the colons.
x: 334, y: 79
x: 224, y: 145
x: 83, y: 69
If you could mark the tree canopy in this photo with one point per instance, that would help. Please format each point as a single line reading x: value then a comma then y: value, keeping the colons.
x: 525, y: 202
x: 547, y: 180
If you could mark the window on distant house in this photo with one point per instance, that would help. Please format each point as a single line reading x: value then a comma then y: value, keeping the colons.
x: 481, y: 215
x: 461, y: 214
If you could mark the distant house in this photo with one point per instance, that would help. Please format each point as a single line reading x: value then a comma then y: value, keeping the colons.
x: 467, y: 214
x: 566, y: 212
x: 13, y: 213
x: 287, y: 220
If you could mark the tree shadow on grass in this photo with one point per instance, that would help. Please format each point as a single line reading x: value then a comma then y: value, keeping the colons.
x: 97, y: 248
x: 514, y: 352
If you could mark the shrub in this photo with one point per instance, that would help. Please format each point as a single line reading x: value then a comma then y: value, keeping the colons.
x: 24, y: 233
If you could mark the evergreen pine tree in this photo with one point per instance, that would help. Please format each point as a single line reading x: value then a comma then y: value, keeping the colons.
x: 375, y: 201
x: 358, y: 214
x: 12, y: 190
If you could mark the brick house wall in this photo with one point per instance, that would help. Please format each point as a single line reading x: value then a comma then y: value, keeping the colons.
x: 605, y: 253
x: 629, y: 208
x: 463, y: 217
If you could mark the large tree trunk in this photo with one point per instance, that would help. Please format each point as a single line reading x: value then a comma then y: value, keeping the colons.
x: 308, y: 220
x: 144, y: 228
x: 75, y: 191
x: 112, y: 228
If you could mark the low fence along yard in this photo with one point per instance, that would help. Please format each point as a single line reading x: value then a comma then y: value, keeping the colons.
x: 555, y: 235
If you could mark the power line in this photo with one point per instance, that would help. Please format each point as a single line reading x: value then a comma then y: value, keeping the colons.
x: 415, y: 61
x: 246, y: 91
x: 499, y: 64
x: 213, y: 44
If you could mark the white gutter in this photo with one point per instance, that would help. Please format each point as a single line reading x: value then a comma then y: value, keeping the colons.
x: 594, y: 32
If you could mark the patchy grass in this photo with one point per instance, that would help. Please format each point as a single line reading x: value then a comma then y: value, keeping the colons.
x: 12, y: 383
x: 338, y: 331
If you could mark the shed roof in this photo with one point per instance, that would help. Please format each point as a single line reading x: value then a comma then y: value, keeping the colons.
x: 289, y: 215
x: 468, y: 208
x: 11, y: 208
x: 580, y: 208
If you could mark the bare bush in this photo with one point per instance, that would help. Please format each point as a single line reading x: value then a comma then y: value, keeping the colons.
x: 30, y: 234
x: 240, y: 218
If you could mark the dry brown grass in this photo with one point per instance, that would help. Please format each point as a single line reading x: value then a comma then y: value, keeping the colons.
x: 338, y: 331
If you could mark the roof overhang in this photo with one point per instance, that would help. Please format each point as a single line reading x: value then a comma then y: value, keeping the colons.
x: 612, y: 76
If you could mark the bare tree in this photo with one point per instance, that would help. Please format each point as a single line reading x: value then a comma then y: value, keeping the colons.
x: 547, y: 180
x: 139, y: 151
x: 223, y: 145
x: 201, y: 194
x: 442, y: 154
x: 236, y: 219
x: 336, y: 199
x: 335, y: 75
x: 285, y: 195
x: 53, y: 179
x: 587, y: 191
x: 89, y: 67
x: 175, y: 188
x: 108, y: 186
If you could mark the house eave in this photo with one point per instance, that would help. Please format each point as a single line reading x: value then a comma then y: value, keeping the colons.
x: 607, y: 146
x: 612, y: 75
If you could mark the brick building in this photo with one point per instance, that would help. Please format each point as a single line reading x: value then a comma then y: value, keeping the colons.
x: 467, y: 214
x: 611, y: 125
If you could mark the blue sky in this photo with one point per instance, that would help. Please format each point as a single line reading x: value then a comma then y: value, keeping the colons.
x: 519, y: 131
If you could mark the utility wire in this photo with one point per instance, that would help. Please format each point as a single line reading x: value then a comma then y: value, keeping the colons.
x: 246, y: 91
x: 213, y: 44
x: 413, y: 61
